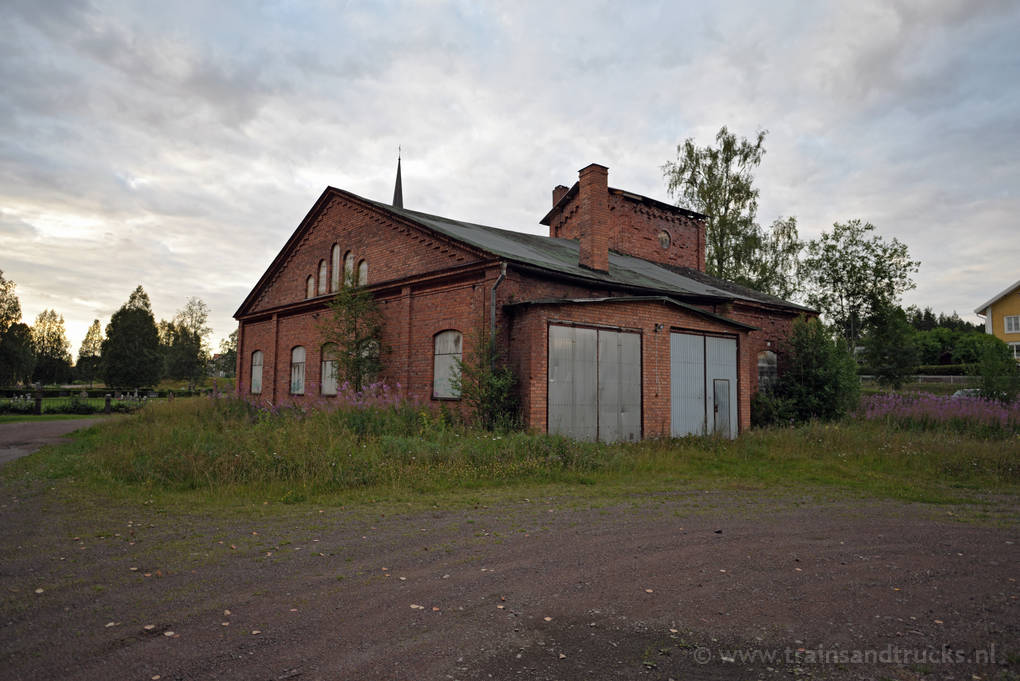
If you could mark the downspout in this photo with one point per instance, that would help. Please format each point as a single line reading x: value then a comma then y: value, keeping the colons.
x: 492, y: 304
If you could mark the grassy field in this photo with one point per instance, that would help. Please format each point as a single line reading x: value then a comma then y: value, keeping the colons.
x: 216, y: 451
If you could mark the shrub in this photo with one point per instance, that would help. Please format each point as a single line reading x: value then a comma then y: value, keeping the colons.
x: 820, y: 380
x: 488, y: 387
x: 1000, y: 379
x: 768, y: 408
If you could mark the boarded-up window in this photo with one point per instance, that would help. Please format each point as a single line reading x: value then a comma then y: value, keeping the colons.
x: 334, y: 282
x: 768, y: 370
x: 330, y: 369
x: 448, y: 352
x: 297, y: 371
x: 310, y: 287
x: 322, y: 277
x: 348, y: 268
x: 256, y: 372
x: 363, y: 273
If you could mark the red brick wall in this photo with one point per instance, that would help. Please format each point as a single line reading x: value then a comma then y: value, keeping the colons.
x: 634, y: 229
x: 392, y: 251
x: 773, y: 333
x: 412, y: 318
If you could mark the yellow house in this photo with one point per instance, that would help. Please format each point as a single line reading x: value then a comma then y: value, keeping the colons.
x: 1002, y: 317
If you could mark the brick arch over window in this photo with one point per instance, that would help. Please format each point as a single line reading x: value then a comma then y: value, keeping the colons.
x: 297, y: 371
x: 334, y: 280
x: 448, y: 349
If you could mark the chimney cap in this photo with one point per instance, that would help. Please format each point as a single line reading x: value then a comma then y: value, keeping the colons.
x: 593, y: 165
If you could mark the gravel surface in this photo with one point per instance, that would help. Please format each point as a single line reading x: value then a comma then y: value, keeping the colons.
x: 675, y: 586
x: 24, y: 437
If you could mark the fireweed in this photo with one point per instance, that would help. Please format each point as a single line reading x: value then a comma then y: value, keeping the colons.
x: 923, y: 411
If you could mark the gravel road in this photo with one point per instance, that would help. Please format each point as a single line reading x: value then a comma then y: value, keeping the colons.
x: 692, y: 584
x: 24, y: 437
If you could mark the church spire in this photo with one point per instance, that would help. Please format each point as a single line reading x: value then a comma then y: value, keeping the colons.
x: 398, y: 190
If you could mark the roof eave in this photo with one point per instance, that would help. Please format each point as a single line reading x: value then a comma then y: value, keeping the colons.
x: 981, y: 309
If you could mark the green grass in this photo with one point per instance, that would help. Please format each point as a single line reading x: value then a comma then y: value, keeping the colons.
x: 13, y: 418
x: 223, y: 451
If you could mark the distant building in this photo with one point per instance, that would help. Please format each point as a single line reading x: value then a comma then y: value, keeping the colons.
x: 1002, y: 317
x: 613, y: 328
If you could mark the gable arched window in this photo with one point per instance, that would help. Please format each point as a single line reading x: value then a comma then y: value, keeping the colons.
x: 330, y: 369
x: 322, y: 277
x: 348, y: 268
x: 256, y: 372
x: 297, y: 371
x: 768, y: 370
x: 310, y: 287
x: 334, y: 281
x: 363, y: 273
x: 448, y: 350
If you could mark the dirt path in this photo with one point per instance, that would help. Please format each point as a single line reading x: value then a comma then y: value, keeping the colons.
x: 670, y: 586
x: 21, y: 438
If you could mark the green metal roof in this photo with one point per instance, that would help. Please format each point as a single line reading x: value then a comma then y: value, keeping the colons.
x: 561, y: 256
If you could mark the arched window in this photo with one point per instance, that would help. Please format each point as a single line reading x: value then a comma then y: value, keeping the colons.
x: 348, y: 268
x: 447, y: 355
x: 322, y: 277
x: 334, y: 281
x: 363, y: 273
x: 297, y: 371
x: 330, y: 369
x: 256, y: 372
x: 768, y: 370
x: 310, y: 287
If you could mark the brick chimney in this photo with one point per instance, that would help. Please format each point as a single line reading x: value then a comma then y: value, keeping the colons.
x: 593, y: 217
x: 558, y: 193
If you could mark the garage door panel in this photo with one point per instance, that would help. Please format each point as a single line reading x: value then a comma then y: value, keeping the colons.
x: 572, y: 382
x: 619, y: 390
x: 687, y: 384
x: 721, y: 364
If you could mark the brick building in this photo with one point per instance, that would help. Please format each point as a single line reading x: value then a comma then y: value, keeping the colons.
x: 611, y: 324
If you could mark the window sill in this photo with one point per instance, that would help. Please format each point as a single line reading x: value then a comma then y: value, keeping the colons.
x: 445, y: 399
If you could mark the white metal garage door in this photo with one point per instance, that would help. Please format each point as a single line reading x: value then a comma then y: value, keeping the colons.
x: 594, y: 383
x: 703, y: 385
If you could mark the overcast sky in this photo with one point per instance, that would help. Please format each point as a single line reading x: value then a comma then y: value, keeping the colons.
x: 177, y: 145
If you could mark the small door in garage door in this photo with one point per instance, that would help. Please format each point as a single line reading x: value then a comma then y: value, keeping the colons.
x: 594, y: 383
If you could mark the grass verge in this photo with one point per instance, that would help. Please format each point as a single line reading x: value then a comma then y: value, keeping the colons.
x: 14, y: 418
x: 223, y: 451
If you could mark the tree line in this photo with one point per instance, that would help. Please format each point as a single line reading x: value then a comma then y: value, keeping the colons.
x: 134, y: 350
x: 853, y: 276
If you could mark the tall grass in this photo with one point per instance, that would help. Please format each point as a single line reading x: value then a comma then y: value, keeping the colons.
x: 229, y: 447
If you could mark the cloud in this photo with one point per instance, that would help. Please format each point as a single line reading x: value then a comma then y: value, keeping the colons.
x: 179, y: 145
